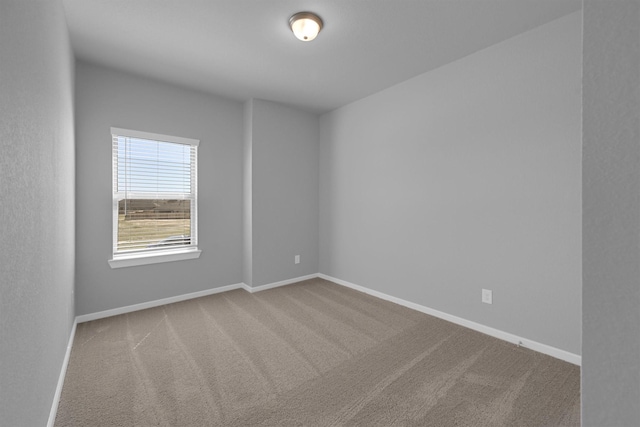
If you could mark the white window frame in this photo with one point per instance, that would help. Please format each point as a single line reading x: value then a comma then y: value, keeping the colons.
x: 119, y: 259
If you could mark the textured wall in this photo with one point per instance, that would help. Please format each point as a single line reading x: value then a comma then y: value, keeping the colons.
x: 284, y: 193
x: 463, y: 178
x: 611, y: 214
x: 37, y: 209
x: 106, y: 98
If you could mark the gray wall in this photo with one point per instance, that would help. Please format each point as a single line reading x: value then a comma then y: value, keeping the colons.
x: 37, y: 209
x: 106, y: 98
x: 463, y: 178
x: 284, y: 192
x: 611, y: 214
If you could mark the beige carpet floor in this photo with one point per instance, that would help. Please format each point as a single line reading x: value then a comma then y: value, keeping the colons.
x: 308, y: 354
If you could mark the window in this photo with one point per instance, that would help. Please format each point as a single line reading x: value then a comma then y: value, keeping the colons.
x: 155, y: 215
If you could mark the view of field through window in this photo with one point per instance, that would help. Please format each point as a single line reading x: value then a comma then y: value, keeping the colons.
x: 144, y: 223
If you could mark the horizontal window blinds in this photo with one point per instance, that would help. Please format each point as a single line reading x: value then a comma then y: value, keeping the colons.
x: 155, y: 193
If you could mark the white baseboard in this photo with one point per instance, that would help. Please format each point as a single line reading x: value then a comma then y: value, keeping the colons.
x: 496, y: 333
x: 278, y: 284
x: 135, y: 307
x: 63, y: 373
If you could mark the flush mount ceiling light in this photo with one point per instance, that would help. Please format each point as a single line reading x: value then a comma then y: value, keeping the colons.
x: 305, y: 25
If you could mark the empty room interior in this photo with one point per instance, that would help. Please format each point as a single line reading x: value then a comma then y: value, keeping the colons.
x: 320, y: 213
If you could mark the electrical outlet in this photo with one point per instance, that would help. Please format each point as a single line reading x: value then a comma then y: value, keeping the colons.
x: 296, y: 259
x: 487, y: 296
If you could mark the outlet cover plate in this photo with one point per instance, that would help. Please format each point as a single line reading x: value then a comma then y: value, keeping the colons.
x: 487, y: 296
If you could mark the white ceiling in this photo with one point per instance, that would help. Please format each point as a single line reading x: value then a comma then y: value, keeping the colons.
x: 244, y: 48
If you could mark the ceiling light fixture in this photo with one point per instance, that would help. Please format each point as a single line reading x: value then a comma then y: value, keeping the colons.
x: 305, y: 25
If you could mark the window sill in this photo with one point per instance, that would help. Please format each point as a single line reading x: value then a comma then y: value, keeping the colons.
x: 120, y: 261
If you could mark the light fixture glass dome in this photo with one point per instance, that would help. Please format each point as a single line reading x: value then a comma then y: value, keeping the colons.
x: 305, y: 25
